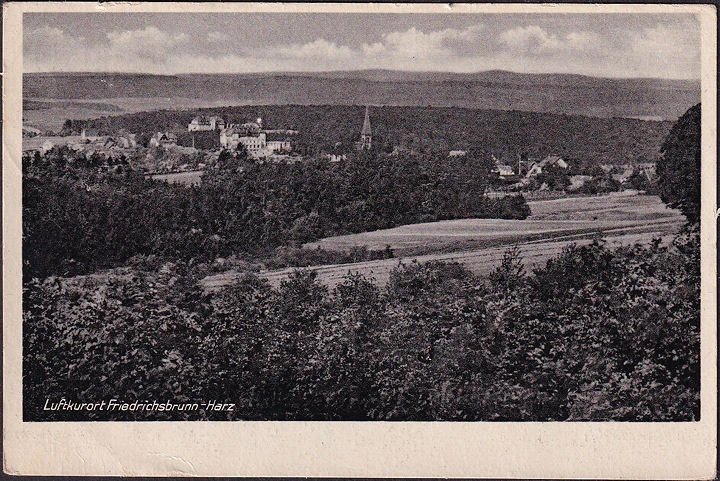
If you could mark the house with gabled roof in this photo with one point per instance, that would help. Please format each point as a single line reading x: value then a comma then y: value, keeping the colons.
x: 551, y: 160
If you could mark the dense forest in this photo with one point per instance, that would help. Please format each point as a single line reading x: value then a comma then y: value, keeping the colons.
x: 334, y: 128
x: 82, y: 214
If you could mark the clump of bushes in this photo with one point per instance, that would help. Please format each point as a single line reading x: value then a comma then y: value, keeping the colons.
x: 595, y: 334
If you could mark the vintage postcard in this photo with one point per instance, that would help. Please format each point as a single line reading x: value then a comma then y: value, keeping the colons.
x: 376, y: 240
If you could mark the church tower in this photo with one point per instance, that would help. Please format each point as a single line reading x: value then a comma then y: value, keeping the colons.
x: 366, y: 132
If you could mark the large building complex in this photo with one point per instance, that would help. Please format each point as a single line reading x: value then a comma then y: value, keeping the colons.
x: 254, y: 138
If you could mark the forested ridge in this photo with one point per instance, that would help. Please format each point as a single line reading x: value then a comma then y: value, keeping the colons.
x: 334, y: 128
x: 559, y: 93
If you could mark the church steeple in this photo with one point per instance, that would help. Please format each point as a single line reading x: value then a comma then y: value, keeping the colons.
x: 366, y: 132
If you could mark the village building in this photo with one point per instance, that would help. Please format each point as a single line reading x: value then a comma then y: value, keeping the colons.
x: 649, y: 170
x: 577, y: 181
x: 551, y: 160
x: 204, y: 123
x: 279, y: 145
x: 163, y: 139
x: 504, y: 170
x: 624, y: 176
x: 280, y: 131
x: 44, y: 144
x: 457, y: 153
x: 30, y: 131
x: 249, y: 134
x: 399, y: 150
x: 333, y: 157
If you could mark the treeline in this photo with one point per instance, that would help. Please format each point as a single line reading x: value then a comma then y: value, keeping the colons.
x: 596, y: 334
x: 327, y: 128
x: 82, y: 214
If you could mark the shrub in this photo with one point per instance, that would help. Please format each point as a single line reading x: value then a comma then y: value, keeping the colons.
x: 595, y: 334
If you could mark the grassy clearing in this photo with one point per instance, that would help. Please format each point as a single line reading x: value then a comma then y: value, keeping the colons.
x: 479, y: 244
x: 479, y: 261
x: 550, y: 219
x: 52, y: 118
x: 187, y: 178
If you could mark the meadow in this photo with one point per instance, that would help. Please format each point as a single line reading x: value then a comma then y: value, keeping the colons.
x: 54, y: 112
x: 192, y: 177
x: 624, y: 218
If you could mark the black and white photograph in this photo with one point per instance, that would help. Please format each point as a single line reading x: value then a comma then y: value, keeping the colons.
x: 400, y: 216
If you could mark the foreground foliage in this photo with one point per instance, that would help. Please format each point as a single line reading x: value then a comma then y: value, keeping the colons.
x: 679, y: 167
x: 596, y: 334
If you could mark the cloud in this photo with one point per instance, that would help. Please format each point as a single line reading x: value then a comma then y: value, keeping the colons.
x: 415, y: 44
x: 50, y: 48
x: 319, y: 48
x: 46, y: 35
x: 46, y: 39
x: 530, y: 38
x: 149, y: 43
x: 660, y: 50
x: 535, y: 40
x: 668, y: 40
x: 667, y: 49
x: 147, y: 49
x: 149, y: 37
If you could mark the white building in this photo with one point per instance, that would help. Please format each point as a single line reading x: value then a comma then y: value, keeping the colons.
x: 249, y: 135
x: 278, y: 145
x: 504, y: 170
x: 253, y: 138
x: 203, y: 123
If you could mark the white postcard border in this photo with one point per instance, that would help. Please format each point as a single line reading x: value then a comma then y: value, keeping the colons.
x: 367, y: 449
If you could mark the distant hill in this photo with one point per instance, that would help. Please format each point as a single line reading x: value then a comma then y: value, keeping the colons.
x: 499, y: 90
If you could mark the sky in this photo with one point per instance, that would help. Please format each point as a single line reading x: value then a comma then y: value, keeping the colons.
x: 604, y: 45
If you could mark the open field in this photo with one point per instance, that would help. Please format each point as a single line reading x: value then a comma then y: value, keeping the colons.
x: 192, y: 177
x: 550, y: 219
x: 480, y: 261
x: 480, y: 243
x: 55, y: 112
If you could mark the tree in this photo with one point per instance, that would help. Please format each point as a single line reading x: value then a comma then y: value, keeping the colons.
x: 555, y: 177
x: 679, y: 167
x: 241, y: 153
x: 226, y: 160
